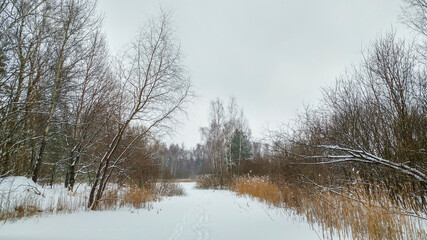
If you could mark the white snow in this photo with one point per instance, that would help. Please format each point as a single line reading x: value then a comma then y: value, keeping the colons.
x: 201, y: 214
x: 16, y: 190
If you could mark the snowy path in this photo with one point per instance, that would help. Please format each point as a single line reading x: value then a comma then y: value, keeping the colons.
x: 202, y: 214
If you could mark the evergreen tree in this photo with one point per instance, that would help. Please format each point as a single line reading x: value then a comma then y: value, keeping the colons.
x: 240, y: 148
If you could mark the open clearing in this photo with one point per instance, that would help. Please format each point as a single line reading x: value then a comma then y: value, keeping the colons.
x: 201, y: 214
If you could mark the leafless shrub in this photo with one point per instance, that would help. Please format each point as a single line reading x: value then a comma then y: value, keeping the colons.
x: 209, y: 181
x: 170, y: 189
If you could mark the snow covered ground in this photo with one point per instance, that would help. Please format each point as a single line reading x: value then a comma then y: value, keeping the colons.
x: 21, y: 191
x: 201, y: 214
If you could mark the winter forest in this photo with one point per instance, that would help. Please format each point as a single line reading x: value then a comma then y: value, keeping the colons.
x: 82, y: 131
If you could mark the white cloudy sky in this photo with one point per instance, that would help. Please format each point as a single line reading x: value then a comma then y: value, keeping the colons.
x: 272, y: 55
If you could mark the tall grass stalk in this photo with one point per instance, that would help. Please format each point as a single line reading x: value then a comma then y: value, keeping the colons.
x: 353, y: 212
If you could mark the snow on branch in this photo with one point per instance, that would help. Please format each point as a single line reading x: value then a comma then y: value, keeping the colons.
x: 361, y: 156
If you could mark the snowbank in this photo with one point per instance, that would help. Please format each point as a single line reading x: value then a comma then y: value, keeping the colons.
x: 20, y: 196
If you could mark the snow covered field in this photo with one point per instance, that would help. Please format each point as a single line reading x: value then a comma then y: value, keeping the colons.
x: 201, y: 214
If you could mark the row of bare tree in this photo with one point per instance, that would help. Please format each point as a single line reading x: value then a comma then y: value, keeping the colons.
x: 69, y: 109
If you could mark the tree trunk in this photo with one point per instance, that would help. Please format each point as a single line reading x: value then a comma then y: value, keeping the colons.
x: 38, y: 161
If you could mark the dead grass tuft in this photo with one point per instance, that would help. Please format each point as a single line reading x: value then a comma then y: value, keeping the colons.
x: 139, y: 197
x: 170, y: 189
x: 110, y: 199
x: 20, y: 211
x: 26, y: 211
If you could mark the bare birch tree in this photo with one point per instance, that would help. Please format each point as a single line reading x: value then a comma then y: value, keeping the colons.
x: 215, y: 140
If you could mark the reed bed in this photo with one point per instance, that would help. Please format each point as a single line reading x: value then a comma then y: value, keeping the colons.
x: 353, y: 212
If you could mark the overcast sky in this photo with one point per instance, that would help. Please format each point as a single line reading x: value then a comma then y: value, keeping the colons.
x: 272, y: 55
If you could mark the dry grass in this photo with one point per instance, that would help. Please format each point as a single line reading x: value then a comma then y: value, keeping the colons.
x: 19, y: 210
x: 28, y: 205
x: 353, y: 212
x: 259, y: 187
x: 110, y: 199
x: 169, y: 189
x: 32, y: 202
x: 184, y: 180
x: 139, y: 197
x: 22, y: 211
x: 361, y: 215
x: 69, y: 203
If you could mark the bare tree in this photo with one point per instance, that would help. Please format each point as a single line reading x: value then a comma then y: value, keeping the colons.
x: 415, y: 15
x: 215, y: 140
x: 154, y: 87
x: 8, y: 16
x: 93, y: 100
